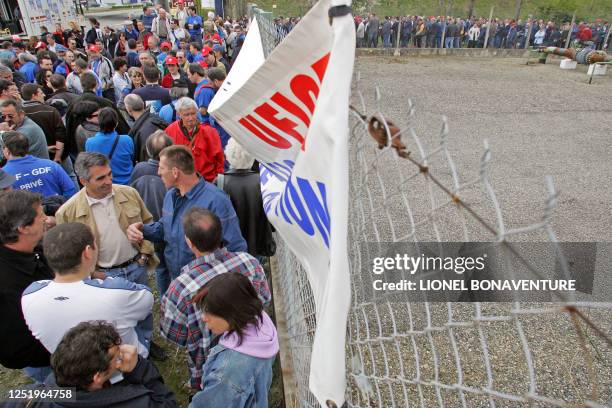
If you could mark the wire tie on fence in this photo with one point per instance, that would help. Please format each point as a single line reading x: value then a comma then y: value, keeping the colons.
x: 456, y: 199
x: 424, y: 169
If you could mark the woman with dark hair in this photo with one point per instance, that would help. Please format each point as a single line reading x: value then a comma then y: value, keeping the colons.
x: 118, y: 148
x: 121, y: 48
x: 43, y: 78
x: 238, y: 370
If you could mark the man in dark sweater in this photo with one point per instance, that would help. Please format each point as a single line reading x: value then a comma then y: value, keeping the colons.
x: 145, y: 124
x: 22, y: 223
x: 47, y: 117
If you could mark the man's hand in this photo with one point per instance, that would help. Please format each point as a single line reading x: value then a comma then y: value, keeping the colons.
x: 4, y: 126
x: 127, y: 358
x: 98, y: 275
x: 134, y: 233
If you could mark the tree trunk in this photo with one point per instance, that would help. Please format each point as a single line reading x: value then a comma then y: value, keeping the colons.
x: 471, y: 8
x: 517, y: 9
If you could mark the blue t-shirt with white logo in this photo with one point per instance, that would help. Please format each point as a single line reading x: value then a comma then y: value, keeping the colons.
x: 41, y: 176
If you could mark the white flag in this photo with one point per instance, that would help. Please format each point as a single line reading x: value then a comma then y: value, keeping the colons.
x: 291, y: 113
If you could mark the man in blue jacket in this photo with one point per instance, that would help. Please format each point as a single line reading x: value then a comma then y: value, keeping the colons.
x: 186, y: 190
x: 42, y: 176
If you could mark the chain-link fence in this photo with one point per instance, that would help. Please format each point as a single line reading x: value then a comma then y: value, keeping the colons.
x: 271, y: 32
x: 554, y: 352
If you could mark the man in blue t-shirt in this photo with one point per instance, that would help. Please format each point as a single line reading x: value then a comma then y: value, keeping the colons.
x: 194, y: 25
x: 197, y: 75
x: 37, y: 175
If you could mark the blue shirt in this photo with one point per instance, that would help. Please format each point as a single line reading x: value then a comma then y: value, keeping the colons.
x: 202, y: 98
x: 41, y: 176
x: 29, y: 71
x: 122, y: 162
x: 195, y: 20
x: 133, y: 34
x: 166, y: 113
x: 169, y: 228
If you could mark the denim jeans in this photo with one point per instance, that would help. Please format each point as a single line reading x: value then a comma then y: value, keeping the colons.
x: 449, y: 42
x: 137, y: 274
x: 387, y: 41
x: 38, y: 374
x: 162, y: 274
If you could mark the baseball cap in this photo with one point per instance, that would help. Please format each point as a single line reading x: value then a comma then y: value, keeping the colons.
x: 171, y: 61
x: 217, y: 47
x: 206, y: 50
x: 6, y: 179
x: 60, y: 48
x: 40, y: 44
x: 165, y: 44
x: 128, y: 22
x: 203, y: 64
x: 93, y: 48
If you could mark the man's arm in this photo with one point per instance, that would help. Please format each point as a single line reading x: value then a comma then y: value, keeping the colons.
x: 65, y: 182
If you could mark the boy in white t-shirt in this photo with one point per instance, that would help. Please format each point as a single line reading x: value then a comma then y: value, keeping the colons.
x: 52, y: 307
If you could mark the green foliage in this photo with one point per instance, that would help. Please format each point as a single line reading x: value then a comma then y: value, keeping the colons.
x: 559, y: 10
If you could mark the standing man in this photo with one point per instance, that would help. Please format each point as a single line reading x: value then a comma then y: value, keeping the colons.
x: 145, y: 124
x: 147, y: 18
x: 161, y: 27
x: 181, y: 322
x: 73, y: 297
x: 22, y: 223
x: 194, y: 25
x: 152, y: 190
x: 33, y: 174
x: 108, y: 209
x: 372, y: 31
x: 15, y: 119
x: 103, y: 68
x: 152, y: 94
x: 181, y: 14
x: 47, y: 117
x: 202, y: 139
x: 186, y: 190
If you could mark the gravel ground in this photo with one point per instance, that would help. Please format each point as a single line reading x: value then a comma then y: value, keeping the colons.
x: 539, y: 121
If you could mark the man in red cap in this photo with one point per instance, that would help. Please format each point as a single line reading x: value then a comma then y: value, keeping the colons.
x: 175, y: 76
x: 103, y: 68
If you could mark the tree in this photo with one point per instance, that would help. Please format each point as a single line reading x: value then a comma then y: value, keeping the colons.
x: 471, y: 5
x: 517, y: 9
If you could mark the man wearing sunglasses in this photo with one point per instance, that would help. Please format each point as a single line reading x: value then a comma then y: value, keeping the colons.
x: 14, y: 118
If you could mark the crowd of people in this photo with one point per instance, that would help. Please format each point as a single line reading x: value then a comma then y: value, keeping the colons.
x: 112, y: 171
x: 456, y: 32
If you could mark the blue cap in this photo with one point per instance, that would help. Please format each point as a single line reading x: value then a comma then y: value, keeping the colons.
x: 217, y: 47
x: 60, y: 48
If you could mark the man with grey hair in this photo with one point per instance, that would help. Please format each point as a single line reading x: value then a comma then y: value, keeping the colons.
x: 145, y: 123
x: 201, y: 138
x: 108, y: 209
x: 73, y: 81
x: 15, y: 119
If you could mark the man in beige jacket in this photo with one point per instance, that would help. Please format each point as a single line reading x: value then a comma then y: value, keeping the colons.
x: 108, y: 209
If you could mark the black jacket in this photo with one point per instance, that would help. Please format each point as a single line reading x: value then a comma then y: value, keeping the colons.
x: 63, y: 95
x: 72, y: 122
x: 244, y: 191
x: 49, y: 120
x: 17, y: 271
x: 150, y: 186
x: 142, y: 388
x: 144, y: 127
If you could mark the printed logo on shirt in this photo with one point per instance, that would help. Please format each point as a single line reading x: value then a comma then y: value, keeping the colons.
x: 60, y: 298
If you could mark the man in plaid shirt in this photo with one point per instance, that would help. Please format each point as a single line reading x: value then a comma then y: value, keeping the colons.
x: 181, y: 322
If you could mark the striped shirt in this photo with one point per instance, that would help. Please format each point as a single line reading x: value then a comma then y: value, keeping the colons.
x: 181, y: 321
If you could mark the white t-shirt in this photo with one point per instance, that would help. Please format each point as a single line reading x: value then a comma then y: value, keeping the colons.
x: 51, y: 309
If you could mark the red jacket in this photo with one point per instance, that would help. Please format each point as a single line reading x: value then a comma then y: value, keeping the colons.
x: 205, y: 145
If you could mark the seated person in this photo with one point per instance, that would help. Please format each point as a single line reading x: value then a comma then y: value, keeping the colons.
x: 74, y: 297
x: 34, y: 174
x: 238, y: 370
x: 90, y: 355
